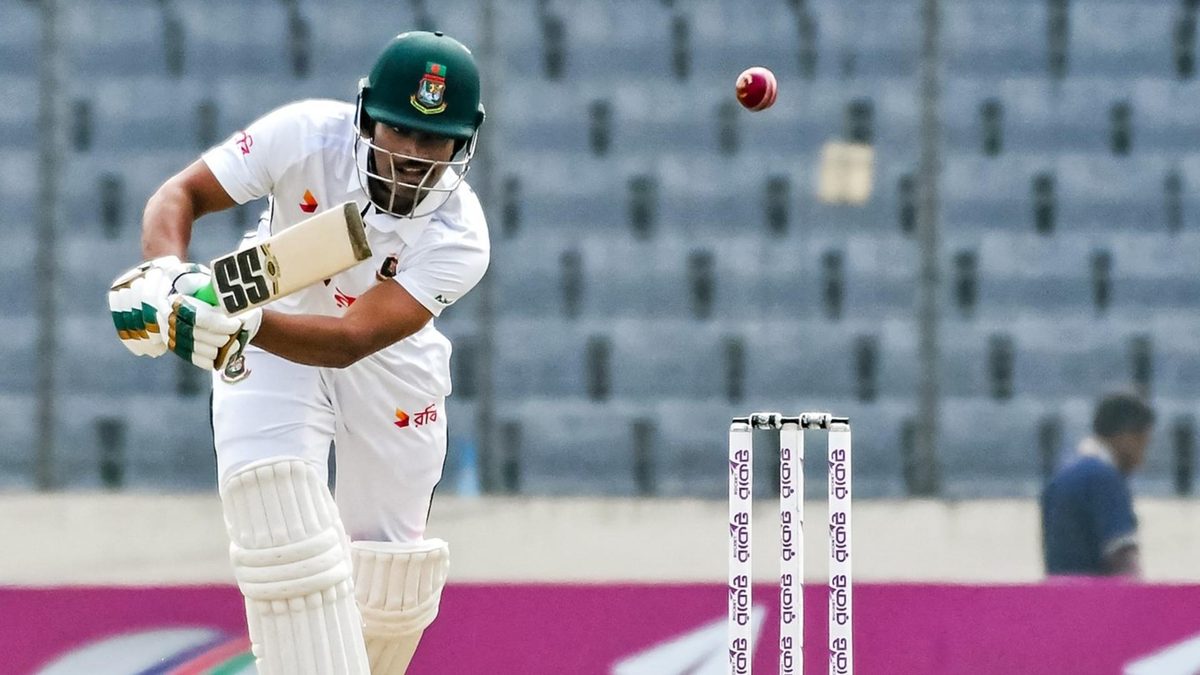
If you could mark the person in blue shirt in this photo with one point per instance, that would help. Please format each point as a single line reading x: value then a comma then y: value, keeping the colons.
x: 1088, y: 524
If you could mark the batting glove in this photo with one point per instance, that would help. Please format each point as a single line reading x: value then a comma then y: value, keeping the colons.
x: 134, y: 299
x: 203, y: 335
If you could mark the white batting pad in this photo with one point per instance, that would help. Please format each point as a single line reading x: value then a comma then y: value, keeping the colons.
x: 398, y: 587
x: 291, y: 559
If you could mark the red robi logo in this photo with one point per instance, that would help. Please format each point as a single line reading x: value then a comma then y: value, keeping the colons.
x: 245, y: 142
x: 342, y: 300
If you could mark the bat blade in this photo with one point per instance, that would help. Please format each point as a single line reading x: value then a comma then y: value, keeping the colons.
x: 305, y: 253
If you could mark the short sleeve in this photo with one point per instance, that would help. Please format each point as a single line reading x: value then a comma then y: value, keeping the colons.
x: 440, y: 276
x: 250, y: 161
x: 1111, y: 506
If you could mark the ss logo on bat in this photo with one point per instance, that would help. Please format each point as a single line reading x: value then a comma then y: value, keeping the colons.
x: 240, y: 280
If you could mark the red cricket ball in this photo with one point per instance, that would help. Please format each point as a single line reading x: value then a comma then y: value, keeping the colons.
x: 756, y: 88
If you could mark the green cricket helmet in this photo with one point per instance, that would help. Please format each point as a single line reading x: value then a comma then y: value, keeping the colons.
x: 426, y: 82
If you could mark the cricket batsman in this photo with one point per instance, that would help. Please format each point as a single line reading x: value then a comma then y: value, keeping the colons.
x: 345, y: 585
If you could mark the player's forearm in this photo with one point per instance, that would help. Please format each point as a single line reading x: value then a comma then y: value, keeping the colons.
x: 310, y: 339
x: 167, y: 222
x: 170, y: 212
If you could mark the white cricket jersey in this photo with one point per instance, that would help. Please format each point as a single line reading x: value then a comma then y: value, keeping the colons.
x: 301, y: 155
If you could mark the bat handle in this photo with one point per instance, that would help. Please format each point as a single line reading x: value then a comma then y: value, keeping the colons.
x: 207, y: 294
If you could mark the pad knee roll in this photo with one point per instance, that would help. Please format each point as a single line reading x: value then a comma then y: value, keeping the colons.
x: 291, y: 560
x: 399, y: 588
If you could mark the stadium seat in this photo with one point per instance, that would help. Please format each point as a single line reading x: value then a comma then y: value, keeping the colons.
x: 659, y: 116
x: 517, y: 20
x: 788, y: 357
x: 149, y: 453
x: 992, y: 41
x: 1083, y: 115
x: 346, y: 42
x: 963, y: 365
x: 541, y: 357
x: 666, y: 359
x: 550, y: 116
x: 624, y: 277
x: 1102, y: 193
x: 1157, y: 476
x: 93, y: 361
x: 100, y: 43
x: 525, y: 273
x: 1057, y: 355
x: 226, y: 39
x: 719, y: 29
x: 570, y: 196
x: 692, y: 449
x: 19, y: 292
x: 984, y: 194
x: 18, y: 440
x: 571, y: 447
x: 1023, y: 273
x: 711, y: 197
x: 880, y: 276
x: 179, y: 457
x: 18, y: 122
x: 870, y: 39
x: 1154, y: 272
x: 150, y: 113
x: 1124, y: 39
x: 764, y: 278
x: 244, y: 99
x: 18, y: 192
x: 1031, y: 115
x: 1161, y: 122
x: 989, y: 448
x: 642, y: 28
x: 19, y: 35
x: 87, y: 264
x: 19, y: 350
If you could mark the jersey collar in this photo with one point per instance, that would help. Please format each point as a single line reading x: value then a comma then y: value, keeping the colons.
x: 409, y: 229
x: 1093, y: 446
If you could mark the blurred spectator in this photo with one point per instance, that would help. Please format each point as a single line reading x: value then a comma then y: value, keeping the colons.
x: 1088, y: 524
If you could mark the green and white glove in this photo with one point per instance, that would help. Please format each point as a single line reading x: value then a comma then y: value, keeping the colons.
x: 202, y: 334
x: 134, y: 299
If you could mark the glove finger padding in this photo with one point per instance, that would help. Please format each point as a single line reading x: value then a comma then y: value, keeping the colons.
x: 117, y: 300
x: 126, y: 309
x: 201, y: 334
x: 132, y: 300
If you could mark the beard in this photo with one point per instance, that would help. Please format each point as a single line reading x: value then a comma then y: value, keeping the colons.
x: 390, y: 196
x: 395, y: 199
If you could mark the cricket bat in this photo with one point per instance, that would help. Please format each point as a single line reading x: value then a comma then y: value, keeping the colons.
x: 309, y: 251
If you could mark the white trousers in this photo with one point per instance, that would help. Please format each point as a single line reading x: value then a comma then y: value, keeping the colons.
x: 390, y: 438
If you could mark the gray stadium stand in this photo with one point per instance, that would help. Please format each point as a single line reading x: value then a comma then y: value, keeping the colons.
x: 659, y: 239
x: 1124, y: 39
x: 571, y: 447
x: 18, y: 438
